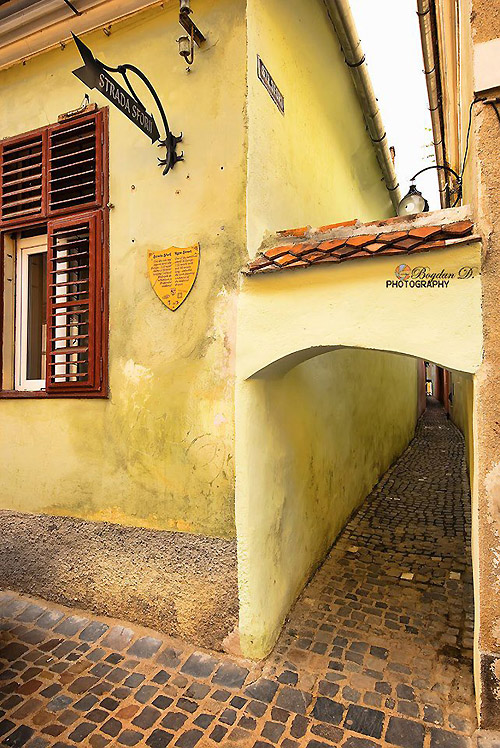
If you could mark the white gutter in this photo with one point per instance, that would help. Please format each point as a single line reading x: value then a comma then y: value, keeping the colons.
x: 343, y: 22
x: 431, y: 70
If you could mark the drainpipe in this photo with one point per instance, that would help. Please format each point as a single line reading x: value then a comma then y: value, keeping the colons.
x: 345, y: 28
x: 431, y: 70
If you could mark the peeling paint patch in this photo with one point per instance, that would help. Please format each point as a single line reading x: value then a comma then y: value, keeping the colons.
x: 136, y: 373
x: 495, y: 630
x: 490, y: 691
x: 492, y: 483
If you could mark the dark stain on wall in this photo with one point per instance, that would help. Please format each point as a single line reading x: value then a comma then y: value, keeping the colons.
x: 181, y: 584
x: 490, y: 691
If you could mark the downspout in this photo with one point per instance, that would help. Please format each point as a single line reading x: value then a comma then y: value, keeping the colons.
x: 345, y: 28
x: 432, y: 78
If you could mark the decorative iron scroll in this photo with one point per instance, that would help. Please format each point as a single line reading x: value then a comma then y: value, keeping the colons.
x: 95, y: 74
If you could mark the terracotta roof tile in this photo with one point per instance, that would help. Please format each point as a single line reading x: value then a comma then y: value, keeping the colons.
x: 375, y: 246
x: 461, y: 228
x: 258, y: 263
x: 298, y: 264
x: 330, y: 244
x: 302, y: 231
x: 268, y: 269
x: 313, y: 256
x: 343, y: 224
x: 407, y: 243
x: 345, y: 243
x: 424, y: 232
x: 361, y: 240
x: 328, y: 258
x: 439, y: 244
x: 302, y: 249
x: 343, y: 251
x: 285, y: 259
x: 361, y: 253
x: 392, y: 236
x: 272, y: 254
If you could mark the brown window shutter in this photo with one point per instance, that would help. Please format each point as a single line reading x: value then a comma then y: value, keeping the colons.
x: 76, y: 164
x: 22, y: 176
x: 76, y: 276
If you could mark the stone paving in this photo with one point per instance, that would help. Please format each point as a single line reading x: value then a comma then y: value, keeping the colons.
x: 377, y: 651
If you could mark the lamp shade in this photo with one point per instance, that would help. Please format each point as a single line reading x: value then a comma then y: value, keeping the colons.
x: 184, y: 46
x: 413, y: 202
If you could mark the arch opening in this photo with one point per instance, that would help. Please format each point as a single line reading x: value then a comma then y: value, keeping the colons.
x: 333, y: 419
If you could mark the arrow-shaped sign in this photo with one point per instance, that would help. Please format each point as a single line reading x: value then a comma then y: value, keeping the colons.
x: 94, y: 75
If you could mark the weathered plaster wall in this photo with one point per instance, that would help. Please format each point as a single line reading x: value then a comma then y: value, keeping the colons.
x: 159, y: 452
x: 482, y: 189
x: 462, y: 411
x: 317, y: 439
x: 422, y: 392
x: 151, y: 577
x: 315, y: 164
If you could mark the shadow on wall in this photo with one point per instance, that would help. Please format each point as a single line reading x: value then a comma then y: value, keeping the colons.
x: 311, y: 443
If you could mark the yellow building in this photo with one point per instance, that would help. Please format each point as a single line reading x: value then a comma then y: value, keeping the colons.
x: 187, y: 462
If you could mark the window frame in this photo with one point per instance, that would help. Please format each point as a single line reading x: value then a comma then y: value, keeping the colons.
x: 21, y: 315
x: 21, y: 220
x: 43, y: 221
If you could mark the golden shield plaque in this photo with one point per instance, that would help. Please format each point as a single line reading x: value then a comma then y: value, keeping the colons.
x: 172, y: 273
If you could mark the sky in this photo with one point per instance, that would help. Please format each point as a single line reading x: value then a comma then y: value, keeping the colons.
x: 390, y: 39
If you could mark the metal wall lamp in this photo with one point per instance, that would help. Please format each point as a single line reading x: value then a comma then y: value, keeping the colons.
x: 415, y: 202
x: 194, y: 35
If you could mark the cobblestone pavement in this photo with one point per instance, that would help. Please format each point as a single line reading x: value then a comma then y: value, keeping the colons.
x: 377, y: 650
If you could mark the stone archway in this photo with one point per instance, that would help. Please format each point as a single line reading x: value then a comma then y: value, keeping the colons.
x: 318, y: 380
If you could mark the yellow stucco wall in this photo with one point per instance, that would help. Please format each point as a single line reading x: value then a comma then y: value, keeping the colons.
x: 317, y: 440
x: 316, y: 164
x: 159, y: 452
x: 461, y: 412
x: 349, y: 305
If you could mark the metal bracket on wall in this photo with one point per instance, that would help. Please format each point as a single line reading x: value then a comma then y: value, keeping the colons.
x: 95, y: 74
x: 189, y: 25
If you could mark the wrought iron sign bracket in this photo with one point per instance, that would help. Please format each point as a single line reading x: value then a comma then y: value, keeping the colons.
x: 95, y: 74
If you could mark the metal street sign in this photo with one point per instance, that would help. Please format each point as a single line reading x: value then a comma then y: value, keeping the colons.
x: 94, y: 75
x: 267, y: 80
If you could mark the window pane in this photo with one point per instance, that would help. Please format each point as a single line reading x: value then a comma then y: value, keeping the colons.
x: 37, y: 312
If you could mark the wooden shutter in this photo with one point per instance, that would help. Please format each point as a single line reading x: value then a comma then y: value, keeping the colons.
x: 75, y: 305
x: 22, y: 177
x: 76, y: 164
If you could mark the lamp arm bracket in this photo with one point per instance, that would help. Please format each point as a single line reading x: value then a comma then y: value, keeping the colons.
x: 192, y: 29
x: 438, y: 166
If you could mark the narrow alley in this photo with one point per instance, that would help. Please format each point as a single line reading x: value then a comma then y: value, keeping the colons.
x: 377, y: 650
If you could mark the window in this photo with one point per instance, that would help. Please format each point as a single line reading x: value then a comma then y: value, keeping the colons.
x: 31, y: 312
x: 53, y: 231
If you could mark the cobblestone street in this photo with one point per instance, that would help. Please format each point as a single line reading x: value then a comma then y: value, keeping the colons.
x: 377, y: 650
